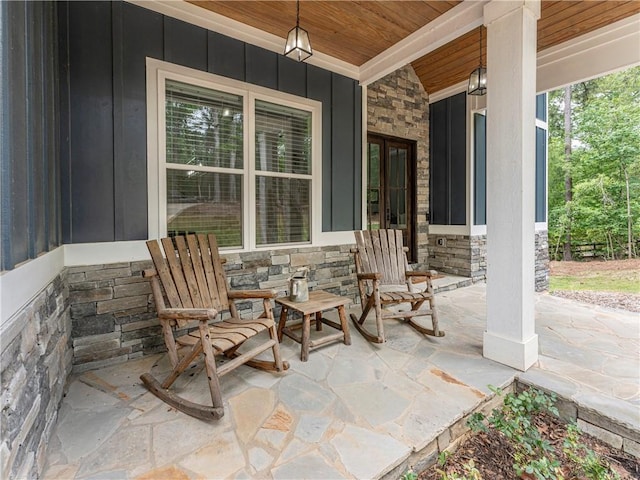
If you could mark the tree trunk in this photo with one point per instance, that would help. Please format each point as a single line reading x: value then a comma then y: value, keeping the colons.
x: 629, y: 222
x: 568, y: 187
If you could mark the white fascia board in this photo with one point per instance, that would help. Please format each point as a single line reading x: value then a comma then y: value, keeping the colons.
x: 457, y: 21
x: 195, y: 15
x: 597, y: 53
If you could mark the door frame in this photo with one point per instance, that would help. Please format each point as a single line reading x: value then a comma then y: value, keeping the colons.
x: 411, y: 185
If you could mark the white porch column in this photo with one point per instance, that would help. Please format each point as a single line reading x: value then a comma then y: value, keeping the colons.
x: 511, y: 93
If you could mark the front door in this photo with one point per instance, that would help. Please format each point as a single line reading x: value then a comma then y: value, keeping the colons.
x: 390, y: 186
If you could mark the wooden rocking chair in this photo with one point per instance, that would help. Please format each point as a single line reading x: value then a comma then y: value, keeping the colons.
x: 195, y: 285
x: 381, y: 261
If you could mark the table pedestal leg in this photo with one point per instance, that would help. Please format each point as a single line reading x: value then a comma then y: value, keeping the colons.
x: 283, y: 318
x: 306, y: 327
x: 345, y: 325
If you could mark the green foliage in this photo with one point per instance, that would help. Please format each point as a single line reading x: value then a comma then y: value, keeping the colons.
x: 470, y: 473
x: 605, y: 160
x: 585, y: 462
x: 532, y: 454
x: 443, y: 456
x: 409, y: 475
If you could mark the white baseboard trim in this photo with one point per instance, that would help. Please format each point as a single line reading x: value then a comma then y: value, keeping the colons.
x: 77, y: 254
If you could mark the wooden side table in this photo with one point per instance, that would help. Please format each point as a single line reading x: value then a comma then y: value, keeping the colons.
x: 318, y: 302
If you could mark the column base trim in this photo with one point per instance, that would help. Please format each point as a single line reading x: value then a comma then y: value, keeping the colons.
x: 515, y: 354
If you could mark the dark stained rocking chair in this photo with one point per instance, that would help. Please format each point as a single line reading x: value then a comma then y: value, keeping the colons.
x: 381, y: 261
x: 195, y: 286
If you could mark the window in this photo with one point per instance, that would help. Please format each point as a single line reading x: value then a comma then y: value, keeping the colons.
x: 236, y: 160
x: 480, y: 163
x: 204, y: 161
x: 480, y: 168
x: 283, y: 174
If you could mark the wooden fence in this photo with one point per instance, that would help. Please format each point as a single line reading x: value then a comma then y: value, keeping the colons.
x: 589, y: 251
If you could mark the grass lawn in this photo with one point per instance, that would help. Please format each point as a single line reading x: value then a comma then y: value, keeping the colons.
x: 597, y: 283
x: 612, y: 276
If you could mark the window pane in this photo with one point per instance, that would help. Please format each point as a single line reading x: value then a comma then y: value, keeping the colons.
x: 283, y: 139
x: 480, y: 169
x: 204, y: 202
x: 204, y: 126
x: 282, y: 210
x: 397, y: 187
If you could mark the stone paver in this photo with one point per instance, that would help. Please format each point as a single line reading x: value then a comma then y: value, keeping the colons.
x: 352, y: 411
x: 367, y: 454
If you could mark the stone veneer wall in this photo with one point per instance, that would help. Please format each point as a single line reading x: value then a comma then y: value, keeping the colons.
x: 35, y: 363
x: 467, y: 256
x: 542, y: 260
x: 112, y: 310
x: 397, y: 105
x: 460, y: 255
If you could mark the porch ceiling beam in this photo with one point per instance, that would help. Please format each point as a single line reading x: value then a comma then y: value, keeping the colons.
x: 447, y: 27
x: 195, y: 15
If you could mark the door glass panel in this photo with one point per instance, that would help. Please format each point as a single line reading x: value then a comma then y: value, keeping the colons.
x: 373, y: 187
x: 397, y: 188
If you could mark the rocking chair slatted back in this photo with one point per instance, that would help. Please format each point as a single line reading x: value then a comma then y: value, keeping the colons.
x: 195, y: 287
x: 381, y: 261
x: 191, y: 272
x: 382, y: 251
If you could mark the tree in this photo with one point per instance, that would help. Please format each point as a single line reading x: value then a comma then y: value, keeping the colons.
x: 605, y: 163
x: 568, y: 183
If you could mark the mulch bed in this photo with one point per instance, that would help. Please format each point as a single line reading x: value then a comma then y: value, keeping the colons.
x: 629, y: 302
x: 492, y: 454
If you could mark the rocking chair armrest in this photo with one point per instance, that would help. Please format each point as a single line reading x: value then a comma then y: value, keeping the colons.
x: 239, y: 294
x: 200, y: 314
x: 418, y: 274
x: 418, y: 277
x: 149, y: 273
x: 369, y: 276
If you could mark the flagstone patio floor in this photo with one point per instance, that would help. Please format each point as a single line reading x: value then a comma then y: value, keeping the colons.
x: 355, y: 411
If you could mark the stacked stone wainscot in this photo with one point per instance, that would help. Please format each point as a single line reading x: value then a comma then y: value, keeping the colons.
x: 35, y: 363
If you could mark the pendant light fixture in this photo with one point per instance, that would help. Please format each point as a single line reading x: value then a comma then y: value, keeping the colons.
x: 298, y: 45
x: 478, y: 78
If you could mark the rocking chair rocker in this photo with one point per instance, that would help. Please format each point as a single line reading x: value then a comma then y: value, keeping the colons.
x: 195, y: 284
x: 381, y: 261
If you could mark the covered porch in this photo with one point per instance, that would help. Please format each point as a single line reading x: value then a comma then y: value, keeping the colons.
x: 84, y: 182
x: 359, y: 411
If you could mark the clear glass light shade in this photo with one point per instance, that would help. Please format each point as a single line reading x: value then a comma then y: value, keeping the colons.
x: 478, y: 82
x: 298, y: 45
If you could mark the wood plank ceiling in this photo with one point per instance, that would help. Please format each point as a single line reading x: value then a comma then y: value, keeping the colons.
x: 559, y: 22
x: 355, y: 31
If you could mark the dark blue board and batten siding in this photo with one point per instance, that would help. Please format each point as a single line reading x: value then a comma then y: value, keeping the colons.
x: 29, y: 164
x: 105, y: 163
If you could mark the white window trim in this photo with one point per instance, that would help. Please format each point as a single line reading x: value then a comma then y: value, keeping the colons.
x: 157, y: 72
x: 479, y: 106
x: 544, y: 125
